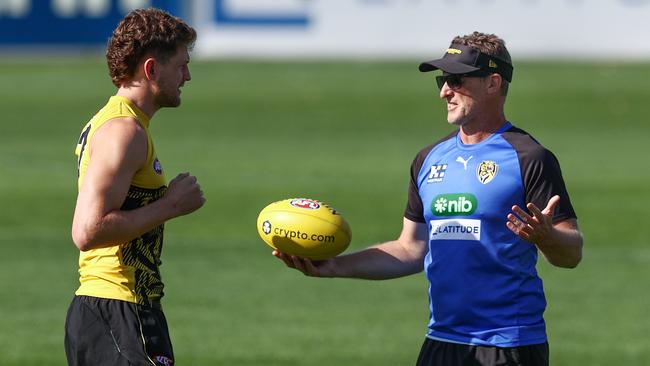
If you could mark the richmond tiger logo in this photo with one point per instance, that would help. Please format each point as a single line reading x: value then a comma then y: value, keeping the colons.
x: 486, y: 171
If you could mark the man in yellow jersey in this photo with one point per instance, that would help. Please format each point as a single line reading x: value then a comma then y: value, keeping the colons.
x: 115, y: 317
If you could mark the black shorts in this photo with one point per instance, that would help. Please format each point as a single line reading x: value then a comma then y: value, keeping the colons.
x: 438, y: 353
x: 113, y: 332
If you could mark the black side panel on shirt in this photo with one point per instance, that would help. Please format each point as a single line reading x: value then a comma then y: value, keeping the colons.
x: 414, y: 207
x: 541, y: 173
x: 143, y: 253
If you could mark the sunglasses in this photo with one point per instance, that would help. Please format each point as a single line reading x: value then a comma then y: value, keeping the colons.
x: 455, y: 81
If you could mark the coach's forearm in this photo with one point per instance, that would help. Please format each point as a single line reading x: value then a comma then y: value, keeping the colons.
x: 563, y: 248
x: 381, y: 262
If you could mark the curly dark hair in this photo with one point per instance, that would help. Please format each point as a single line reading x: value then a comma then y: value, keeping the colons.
x: 489, y: 44
x: 141, y: 32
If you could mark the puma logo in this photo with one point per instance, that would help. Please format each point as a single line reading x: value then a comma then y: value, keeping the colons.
x: 463, y: 161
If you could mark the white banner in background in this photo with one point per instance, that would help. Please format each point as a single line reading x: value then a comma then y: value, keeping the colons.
x: 607, y: 29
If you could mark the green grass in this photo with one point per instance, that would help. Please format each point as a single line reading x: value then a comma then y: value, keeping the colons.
x: 342, y: 132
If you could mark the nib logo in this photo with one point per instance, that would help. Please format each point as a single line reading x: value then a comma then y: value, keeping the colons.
x: 454, y: 204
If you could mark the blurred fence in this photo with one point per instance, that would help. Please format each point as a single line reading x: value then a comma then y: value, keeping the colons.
x: 612, y: 29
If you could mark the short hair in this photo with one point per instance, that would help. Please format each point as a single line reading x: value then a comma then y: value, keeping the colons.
x: 141, y: 32
x: 491, y: 45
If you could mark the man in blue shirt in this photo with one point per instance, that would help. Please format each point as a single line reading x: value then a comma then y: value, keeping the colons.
x: 482, y: 203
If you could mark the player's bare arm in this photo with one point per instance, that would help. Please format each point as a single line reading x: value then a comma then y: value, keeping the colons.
x: 119, y: 149
x: 560, y: 242
x: 393, y: 259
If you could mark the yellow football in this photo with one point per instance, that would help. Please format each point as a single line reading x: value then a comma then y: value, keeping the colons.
x: 304, y: 227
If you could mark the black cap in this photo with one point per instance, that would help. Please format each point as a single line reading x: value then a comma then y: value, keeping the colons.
x: 461, y: 59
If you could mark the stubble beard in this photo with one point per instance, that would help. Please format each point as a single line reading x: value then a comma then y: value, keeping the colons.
x: 457, y: 121
x: 168, y: 100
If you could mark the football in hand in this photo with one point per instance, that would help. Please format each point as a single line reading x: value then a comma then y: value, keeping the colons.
x: 304, y: 227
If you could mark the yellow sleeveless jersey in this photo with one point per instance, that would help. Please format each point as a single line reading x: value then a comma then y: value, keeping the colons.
x: 126, y: 271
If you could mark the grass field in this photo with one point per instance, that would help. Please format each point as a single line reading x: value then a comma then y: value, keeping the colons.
x: 344, y: 133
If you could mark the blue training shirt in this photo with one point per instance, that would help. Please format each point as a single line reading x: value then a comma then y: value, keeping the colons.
x: 484, y: 288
